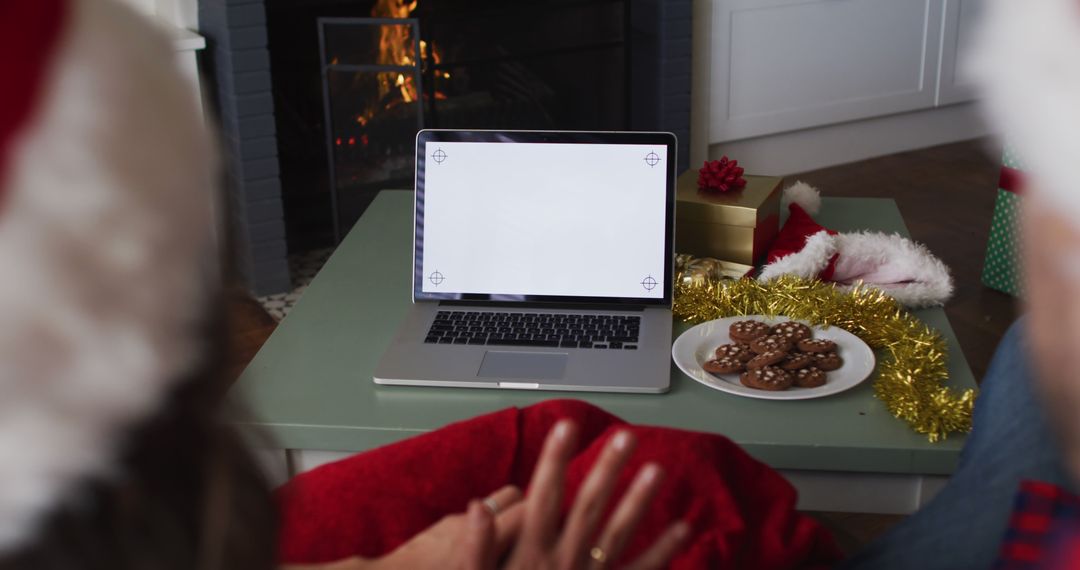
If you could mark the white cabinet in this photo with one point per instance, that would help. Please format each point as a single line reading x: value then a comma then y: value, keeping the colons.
x: 188, y: 44
x: 783, y: 65
x: 173, y: 13
x: 956, y: 37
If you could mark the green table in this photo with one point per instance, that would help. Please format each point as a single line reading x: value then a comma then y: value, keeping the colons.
x: 310, y: 386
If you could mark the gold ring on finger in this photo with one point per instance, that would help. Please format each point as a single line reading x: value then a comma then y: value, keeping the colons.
x: 598, y: 554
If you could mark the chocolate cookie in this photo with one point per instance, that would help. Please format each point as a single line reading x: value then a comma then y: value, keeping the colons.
x: 792, y: 331
x: 810, y: 377
x: 828, y: 361
x: 766, y: 359
x: 724, y: 365
x: 747, y: 352
x: 769, y: 378
x: 771, y: 343
x: 739, y: 351
x: 746, y: 331
x: 796, y: 360
x: 816, y: 345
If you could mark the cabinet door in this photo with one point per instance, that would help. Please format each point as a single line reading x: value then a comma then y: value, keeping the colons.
x: 783, y: 65
x: 957, y: 33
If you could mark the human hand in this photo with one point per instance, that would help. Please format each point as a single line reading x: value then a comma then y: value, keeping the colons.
x: 578, y: 545
x: 530, y: 530
x: 473, y: 540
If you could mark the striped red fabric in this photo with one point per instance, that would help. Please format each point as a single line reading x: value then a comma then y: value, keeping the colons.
x: 1043, y: 521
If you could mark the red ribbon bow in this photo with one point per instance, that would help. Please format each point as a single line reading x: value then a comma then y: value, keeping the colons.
x: 721, y: 175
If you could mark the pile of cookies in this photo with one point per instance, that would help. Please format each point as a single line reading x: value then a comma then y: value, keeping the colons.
x: 777, y: 357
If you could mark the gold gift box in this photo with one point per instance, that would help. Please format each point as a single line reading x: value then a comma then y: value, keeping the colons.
x: 736, y: 226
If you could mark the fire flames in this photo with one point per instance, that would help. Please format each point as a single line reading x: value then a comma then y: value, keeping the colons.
x: 397, y: 47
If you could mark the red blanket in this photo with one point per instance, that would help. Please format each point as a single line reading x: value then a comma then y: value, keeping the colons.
x: 742, y: 511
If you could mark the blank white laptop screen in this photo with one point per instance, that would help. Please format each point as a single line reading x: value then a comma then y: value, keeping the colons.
x: 548, y: 219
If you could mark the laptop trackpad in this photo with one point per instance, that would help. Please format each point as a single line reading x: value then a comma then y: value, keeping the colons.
x: 499, y: 364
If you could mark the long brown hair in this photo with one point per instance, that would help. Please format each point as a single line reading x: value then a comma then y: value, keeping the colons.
x: 187, y: 494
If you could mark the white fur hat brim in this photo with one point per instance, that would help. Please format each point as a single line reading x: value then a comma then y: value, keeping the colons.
x: 901, y: 268
x: 1025, y: 61
x: 106, y: 248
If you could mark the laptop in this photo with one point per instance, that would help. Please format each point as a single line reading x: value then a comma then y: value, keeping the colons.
x: 542, y: 260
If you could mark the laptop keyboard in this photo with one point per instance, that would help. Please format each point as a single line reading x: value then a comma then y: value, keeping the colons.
x: 535, y: 329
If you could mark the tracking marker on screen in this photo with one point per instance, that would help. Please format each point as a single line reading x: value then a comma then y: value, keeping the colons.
x: 652, y: 159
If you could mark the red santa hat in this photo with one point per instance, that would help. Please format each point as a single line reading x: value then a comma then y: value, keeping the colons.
x: 106, y: 243
x: 905, y: 270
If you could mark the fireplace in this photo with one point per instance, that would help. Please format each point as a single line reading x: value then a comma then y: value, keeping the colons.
x: 352, y: 81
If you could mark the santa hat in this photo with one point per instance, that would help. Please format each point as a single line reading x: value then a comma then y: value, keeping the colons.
x: 106, y: 243
x: 898, y: 266
x: 1025, y: 62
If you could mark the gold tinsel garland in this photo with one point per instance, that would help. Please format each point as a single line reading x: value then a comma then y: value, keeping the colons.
x: 912, y: 364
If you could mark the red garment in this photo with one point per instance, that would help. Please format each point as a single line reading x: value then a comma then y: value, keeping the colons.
x: 742, y: 511
x: 792, y: 238
x: 1042, y: 532
x: 1067, y: 556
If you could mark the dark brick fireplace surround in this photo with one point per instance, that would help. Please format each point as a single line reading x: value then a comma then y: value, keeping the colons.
x: 237, y: 66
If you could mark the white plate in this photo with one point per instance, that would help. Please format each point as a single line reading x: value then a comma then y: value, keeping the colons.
x: 698, y: 344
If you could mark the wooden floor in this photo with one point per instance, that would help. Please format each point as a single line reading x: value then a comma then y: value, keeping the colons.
x: 946, y: 195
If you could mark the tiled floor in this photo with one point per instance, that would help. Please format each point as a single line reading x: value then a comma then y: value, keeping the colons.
x: 302, y: 269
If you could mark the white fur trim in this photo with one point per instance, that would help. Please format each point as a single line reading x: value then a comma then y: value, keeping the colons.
x: 808, y: 262
x: 804, y: 195
x: 900, y: 267
x: 104, y: 226
x: 1024, y: 60
x: 905, y: 270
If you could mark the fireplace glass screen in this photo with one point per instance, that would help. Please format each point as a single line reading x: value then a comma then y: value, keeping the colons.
x: 373, y: 105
